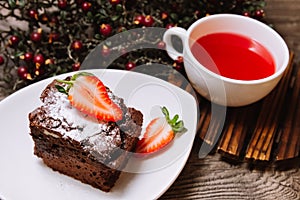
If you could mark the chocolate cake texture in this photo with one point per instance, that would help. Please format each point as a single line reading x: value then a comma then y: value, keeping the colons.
x: 79, y: 145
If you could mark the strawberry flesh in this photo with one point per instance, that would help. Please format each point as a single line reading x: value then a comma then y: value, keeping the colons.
x: 157, y: 135
x: 88, y: 94
x: 160, y: 132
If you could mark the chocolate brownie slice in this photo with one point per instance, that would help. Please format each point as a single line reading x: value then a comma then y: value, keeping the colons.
x: 79, y: 145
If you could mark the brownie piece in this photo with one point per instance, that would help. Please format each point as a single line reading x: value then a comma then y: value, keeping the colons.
x: 79, y: 145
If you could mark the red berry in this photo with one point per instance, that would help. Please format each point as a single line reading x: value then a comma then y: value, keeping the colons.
x: 139, y: 19
x: 28, y: 56
x: 105, y: 29
x: 161, y: 45
x: 14, y: 40
x: 62, y: 4
x: 259, y: 13
x: 169, y: 26
x: 247, y: 14
x: 33, y: 14
x: 76, y: 66
x: 77, y: 45
x: 1, y: 60
x: 22, y: 72
x: 36, y: 36
x: 39, y: 59
x: 86, y: 6
x: 130, y: 65
x: 148, y: 20
x: 178, y: 64
x: 114, y: 2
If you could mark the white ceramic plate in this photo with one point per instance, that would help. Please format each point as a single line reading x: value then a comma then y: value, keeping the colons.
x: 24, y: 176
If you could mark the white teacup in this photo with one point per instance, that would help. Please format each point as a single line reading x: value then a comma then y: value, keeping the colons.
x: 220, y: 89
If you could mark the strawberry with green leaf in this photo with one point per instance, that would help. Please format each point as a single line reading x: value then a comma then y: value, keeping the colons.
x: 160, y: 132
x: 88, y: 94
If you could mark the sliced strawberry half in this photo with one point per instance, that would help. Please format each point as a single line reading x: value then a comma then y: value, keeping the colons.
x: 159, y: 132
x: 88, y: 94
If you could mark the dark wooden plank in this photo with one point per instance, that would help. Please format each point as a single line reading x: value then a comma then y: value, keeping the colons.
x: 213, y: 179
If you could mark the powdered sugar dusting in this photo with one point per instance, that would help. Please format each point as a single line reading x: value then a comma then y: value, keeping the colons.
x: 74, y: 124
x: 103, y: 140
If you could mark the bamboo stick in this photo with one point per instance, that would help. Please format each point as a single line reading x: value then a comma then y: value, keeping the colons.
x: 267, y: 123
x: 289, y: 142
x: 237, y: 130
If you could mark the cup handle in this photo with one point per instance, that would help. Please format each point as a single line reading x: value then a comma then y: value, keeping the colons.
x: 177, y: 31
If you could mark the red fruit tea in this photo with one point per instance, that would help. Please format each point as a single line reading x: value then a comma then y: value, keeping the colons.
x: 234, y: 56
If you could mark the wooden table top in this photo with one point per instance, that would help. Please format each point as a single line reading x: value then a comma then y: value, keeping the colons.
x: 215, y: 177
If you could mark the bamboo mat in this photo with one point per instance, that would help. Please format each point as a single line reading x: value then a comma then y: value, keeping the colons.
x: 266, y: 131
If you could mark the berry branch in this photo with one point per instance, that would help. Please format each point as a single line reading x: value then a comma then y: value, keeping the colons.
x: 49, y: 37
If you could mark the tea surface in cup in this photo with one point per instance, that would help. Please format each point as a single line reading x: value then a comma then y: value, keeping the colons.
x: 233, y: 56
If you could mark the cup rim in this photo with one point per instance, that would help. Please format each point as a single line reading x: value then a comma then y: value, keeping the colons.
x: 237, y: 81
